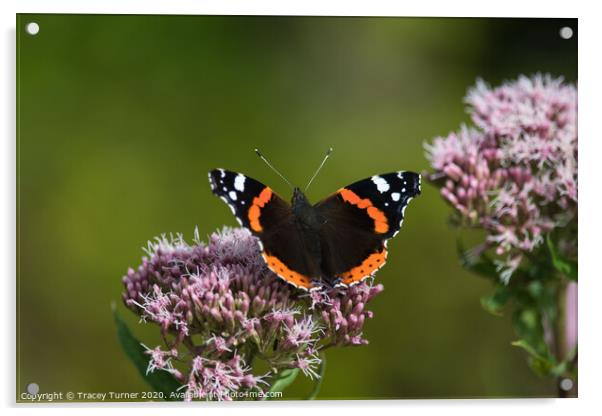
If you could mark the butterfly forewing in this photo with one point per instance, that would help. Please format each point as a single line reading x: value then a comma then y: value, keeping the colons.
x: 249, y: 199
x: 390, y: 194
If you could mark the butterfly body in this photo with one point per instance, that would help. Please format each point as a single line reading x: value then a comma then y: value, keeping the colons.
x: 307, y: 217
x: 339, y: 241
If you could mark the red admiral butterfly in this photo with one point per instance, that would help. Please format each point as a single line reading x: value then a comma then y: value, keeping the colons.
x: 340, y: 241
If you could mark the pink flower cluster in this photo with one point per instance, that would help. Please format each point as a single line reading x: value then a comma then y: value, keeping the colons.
x: 515, y: 173
x: 219, y: 309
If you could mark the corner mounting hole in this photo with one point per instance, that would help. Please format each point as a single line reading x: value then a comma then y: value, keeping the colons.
x: 32, y: 28
x: 566, y: 384
x: 566, y: 32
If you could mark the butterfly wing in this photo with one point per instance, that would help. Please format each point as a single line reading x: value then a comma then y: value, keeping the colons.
x: 270, y: 218
x: 254, y: 205
x: 360, y: 218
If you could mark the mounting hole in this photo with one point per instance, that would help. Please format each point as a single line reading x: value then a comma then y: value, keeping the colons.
x: 33, y: 388
x: 32, y: 28
x: 566, y: 32
x: 566, y: 384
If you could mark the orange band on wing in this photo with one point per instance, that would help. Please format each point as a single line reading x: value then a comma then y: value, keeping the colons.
x: 381, y: 224
x: 285, y: 273
x: 255, y: 209
x: 374, y: 262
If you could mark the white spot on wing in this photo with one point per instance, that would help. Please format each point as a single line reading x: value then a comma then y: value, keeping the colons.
x: 395, y: 196
x: 239, y: 182
x: 223, y: 172
x: 232, y: 195
x: 381, y: 184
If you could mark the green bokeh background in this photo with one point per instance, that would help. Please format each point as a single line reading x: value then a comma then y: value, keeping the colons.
x: 121, y: 117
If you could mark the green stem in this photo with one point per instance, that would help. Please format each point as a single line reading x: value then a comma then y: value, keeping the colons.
x: 560, y: 335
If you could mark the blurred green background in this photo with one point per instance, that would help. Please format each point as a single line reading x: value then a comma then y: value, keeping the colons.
x: 121, y: 117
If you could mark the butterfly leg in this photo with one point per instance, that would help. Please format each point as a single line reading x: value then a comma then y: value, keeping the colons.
x: 332, y: 282
x: 317, y: 283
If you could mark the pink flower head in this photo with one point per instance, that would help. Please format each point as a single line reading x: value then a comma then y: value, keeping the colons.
x: 515, y: 174
x: 219, y: 307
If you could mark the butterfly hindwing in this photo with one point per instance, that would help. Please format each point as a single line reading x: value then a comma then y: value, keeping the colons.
x: 360, y: 218
x: 286, y: 253
x: 346, y: 240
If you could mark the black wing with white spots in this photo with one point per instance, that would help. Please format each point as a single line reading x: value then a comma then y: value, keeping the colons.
x: 390, y: 193
x: 253, y: 204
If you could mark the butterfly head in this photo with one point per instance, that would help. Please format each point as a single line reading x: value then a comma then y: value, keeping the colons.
x: 299, y: 200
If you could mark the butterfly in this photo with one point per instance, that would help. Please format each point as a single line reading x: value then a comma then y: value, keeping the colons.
x: 339, y: 241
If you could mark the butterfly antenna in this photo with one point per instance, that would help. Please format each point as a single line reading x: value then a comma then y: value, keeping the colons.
x: 328, y: 153
x: 262, y: 157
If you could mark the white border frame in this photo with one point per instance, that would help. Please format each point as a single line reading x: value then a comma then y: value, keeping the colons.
x: 590, y: 94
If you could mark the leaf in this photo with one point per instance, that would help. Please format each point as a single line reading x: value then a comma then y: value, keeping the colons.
x: 565, y: 266
x: 319, y: 380
x: 521, y: 343
x: 481, y: 264
x: 284, y: 380
x: 495, y: 302
x: 540, y: 364
x: 559, y: 369
x: 160, y: 381
x: 528, y: 326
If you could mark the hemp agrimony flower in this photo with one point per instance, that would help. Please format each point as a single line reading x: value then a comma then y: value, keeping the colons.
x: 220, y: 310
x: 514, y: 175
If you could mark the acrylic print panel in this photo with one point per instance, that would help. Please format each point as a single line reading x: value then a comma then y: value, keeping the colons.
x: 136, y: 283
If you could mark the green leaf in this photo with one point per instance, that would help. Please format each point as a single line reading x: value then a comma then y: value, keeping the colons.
x: 559, y: 369
x: 495, y: 302
x: 285, y: 379
x: 160, y: 381
x: 527, y: 325
x: 481, y: 264
x: 565, y: 266
x: 540, y: 364
x: 521, y: 343
x: 319, y: 380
